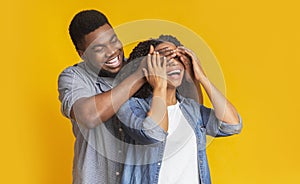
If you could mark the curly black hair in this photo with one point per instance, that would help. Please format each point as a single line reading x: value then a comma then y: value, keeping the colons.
x: 142, y: 49
x: 85, y: 22
x: 170, y: 38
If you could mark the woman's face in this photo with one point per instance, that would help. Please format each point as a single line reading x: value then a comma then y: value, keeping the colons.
x: 175, y: 68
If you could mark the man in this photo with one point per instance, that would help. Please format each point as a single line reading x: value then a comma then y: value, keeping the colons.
x: 90, y: 102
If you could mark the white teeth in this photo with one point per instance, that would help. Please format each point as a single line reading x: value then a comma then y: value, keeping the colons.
x: 113, y: 60
x: 174, y: 72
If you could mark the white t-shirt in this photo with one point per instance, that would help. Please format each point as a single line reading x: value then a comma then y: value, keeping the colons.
x: 179, y: 163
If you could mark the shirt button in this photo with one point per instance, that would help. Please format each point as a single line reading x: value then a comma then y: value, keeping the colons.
x: 120, y: 129
x: 120, y: 151
x: 158, y: 163
x: 117, y: 173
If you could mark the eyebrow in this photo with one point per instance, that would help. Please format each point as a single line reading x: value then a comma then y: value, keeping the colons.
x: 103, y: 45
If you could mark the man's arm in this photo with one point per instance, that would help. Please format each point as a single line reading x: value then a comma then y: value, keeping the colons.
x: 91, y: 111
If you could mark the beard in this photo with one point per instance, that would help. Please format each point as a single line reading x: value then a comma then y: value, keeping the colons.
x: 105, y: 73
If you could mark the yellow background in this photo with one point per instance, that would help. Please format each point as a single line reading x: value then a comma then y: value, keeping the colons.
x: 256, y: 43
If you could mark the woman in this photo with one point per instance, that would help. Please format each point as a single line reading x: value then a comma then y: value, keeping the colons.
x: 168, y: 131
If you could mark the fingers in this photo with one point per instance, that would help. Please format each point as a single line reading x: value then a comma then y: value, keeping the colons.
x: 183, y: 51
x: 167, y: 52
x: 151, y: 50
x: 164, y: 63
x: 189, y: 53
x: 156, y: 60
x: 149, y: 63
x: 153, y: 60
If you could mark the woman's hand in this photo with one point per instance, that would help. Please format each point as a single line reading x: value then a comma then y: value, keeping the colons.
x: 156, y: 73
x: 191, y: 63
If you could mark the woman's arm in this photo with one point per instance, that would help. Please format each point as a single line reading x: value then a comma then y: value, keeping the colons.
x: 157, y: 78
x: 190, y: 77
x: 148, y: 127
x: 224, y: 110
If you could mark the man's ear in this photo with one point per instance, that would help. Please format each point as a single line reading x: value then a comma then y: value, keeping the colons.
x: 81, y: 54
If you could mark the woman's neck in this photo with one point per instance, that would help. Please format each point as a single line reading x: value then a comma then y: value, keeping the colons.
x: 171, y: 96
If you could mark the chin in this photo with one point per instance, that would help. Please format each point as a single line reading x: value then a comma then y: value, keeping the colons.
x: 174, y: 85
x: 109, y: 73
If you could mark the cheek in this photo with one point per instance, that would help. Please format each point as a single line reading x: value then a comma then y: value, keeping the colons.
x: 96, y: 59
x: 118, y: 45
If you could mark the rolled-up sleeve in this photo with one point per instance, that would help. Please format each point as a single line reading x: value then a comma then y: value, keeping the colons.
x: 231, y: 129
x: 216, y: 127
x: 71, y: 87
x: 140, y: 127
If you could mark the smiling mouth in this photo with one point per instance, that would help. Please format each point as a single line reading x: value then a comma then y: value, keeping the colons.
x: 114, y: 62
x: 174, y: 72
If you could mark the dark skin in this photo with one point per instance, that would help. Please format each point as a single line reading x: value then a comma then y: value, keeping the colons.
x: 180, y: 54
x: 103, y: 51
x: 92, y: 111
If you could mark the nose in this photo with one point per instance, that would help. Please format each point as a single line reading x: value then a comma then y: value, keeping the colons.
x: 172, y: 62
x: 110, y: 50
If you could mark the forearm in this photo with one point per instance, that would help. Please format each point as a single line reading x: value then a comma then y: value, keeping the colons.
x: 199, y: 91
x: 224, y: 110
x: 158, y: 109
x: 97, y: 109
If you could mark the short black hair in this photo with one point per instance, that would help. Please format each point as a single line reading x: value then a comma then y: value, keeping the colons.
x: 85, y: 22
x: 170, y: 38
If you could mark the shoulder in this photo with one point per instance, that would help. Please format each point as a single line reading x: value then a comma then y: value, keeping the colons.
x: 75, y: 69
x: 73, y: 73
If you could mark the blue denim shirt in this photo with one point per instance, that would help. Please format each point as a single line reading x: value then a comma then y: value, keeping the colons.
x: 145, y: 153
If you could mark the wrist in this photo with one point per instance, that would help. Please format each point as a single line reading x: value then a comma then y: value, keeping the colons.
x: 203, y: 79
x: 139, y: 76
x: 159, y: 91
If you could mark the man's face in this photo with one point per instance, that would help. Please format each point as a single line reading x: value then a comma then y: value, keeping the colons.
x: 103, y: 50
